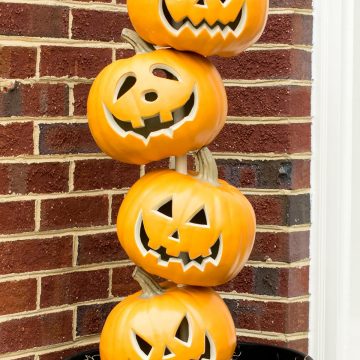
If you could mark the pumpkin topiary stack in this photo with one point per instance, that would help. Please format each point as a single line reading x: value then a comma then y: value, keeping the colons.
x: 190, y: 228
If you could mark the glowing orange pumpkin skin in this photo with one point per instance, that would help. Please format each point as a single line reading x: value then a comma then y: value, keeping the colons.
x: 155, y: 320
x: 164, y: 242
x: 198, y: 82
x: 157, y: 24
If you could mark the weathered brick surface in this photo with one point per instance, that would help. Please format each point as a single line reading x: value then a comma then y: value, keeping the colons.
x: 269, y: 101
x: 270, y: 316
x: 284, y: 138
x: 34, y: 20
x: 281, y: 209
x: 122, y: 282
x: 274, y: 64
x: 115, y: 206
x: 81, y: 92
x: 104, y: 174
x: 34, y: 178
x: 91, y: 318
x: 73, y: 61
x: 265, y: 174
x: 35, y: 331
x: 17, y: 216
x: 16, y: 139
x: 17, y: 62
x: 65, y: 354
x: 90, y: 25
x: 288, y: 29
x: 283, y: 247
x: 74, y: 212
x: 98, y: 248
x: 66, y: 139
x: 35, y: 255
x: 17, y: 296
x: 300, y: 4
x: 74, y: 287
x: 35, y: 100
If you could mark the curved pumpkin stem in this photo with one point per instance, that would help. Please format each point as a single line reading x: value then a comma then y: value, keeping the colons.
x: 149, y: 286
x: 139, y: 45
x: 207, y: 166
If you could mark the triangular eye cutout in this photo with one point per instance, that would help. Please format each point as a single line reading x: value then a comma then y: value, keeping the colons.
x: 199, y: 218
x: 166, y: 209
x: 168, y: 353
x: 200, y: 2
x: 127, y: 84
x: 207, y: 353
x: 144, y: 348
x: 183, y: 331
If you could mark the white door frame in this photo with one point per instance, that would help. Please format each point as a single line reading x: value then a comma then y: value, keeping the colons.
x: 335, y: 239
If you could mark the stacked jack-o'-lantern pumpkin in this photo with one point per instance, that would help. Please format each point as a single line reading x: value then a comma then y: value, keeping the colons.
x: 190, y: 228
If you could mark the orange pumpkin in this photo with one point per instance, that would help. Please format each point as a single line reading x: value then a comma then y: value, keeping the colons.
x: 208, y: 27
x: 169, y: 322
x: 155, y: 105
x: 194, y: 230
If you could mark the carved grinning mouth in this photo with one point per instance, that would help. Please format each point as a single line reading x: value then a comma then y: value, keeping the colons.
x: 184, y: 259
x: 153, y: 125
x: 234, y: 27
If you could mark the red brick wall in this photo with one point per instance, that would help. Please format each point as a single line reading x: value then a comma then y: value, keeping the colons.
x: 61, y: 267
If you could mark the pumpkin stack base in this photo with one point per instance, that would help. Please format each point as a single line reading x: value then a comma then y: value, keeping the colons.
x: 244, y: 351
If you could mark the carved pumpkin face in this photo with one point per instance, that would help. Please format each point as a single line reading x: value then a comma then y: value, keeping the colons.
x: 183, y: 323
x: 186, y: 229
x: 156, y: 105
x: 209, y: 27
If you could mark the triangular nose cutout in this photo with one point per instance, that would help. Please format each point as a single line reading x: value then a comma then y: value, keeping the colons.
x: 174, y: 236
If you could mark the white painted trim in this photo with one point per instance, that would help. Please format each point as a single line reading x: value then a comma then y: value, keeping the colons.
x: 335, y: 242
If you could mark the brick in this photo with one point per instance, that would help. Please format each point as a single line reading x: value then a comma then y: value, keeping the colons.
x: 99, y: 25
x: 265, y: 174
x: 267, y: 64
x: 281, y: 210
x: 74, y: 287
x: 35, y: 100
x: 35, y: 331
x: 17, y: 296
x: 34, y: 178
x: 65, y: 354
x: 122, y: 282
x: 16, y: 139
x: 283, y: 247
x: 73, y: 61
x: 115, y: 206
x: 91, y: 318
x: 41, y: 254
x: 300, y: 4
x: 99, y: 248
x: 270, y: 316
x: 282, y: 138
x: 269, y: 101
x: 34, y: 20
x: 17, y: 216
x: 81, y: 92
x: 73, y: 212
x: 104, y: 174
x: 288, y: 29
x: 298, y: 345
x: 243, y: 283
x: 66, y: 139
x: 124, y: 53
x: 294, y: 282
x: 161, y: 164
x: 25, y: 358
x: 17, y: 62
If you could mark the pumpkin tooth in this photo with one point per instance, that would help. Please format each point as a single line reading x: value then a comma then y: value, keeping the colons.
x: 166, y: 115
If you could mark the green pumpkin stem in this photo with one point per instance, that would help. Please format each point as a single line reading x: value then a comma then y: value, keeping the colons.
x: 138, y: 44
x: 148, y: 285
x: 206, y: 166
